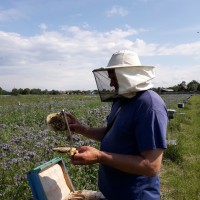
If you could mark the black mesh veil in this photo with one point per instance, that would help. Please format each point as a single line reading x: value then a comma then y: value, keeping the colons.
x: 106, y: 92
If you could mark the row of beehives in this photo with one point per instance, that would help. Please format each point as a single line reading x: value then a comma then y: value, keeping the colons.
x: 171, y: 112
x: 171, y: 115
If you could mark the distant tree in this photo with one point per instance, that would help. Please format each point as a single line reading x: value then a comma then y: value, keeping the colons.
x: 180, y: 87
x: 26, y: 91
x: 198, y: 88
x: 193, y: 86
x: 183, y: 86
x: 176, y: 88
x: 45, y: 91
x: 54, y: 92
x: 20, y: 91
x: 35, y: 91
x: 78, y: 92
x: 15, y: 91
x: 1, y: 91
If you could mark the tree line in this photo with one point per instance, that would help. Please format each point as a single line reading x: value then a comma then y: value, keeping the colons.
x: 37, y: 91
x: 193, y: 86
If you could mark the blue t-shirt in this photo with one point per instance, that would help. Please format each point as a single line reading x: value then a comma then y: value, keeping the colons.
x: 139, y: 126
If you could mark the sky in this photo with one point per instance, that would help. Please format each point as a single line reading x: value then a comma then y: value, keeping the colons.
x: 55, y: 44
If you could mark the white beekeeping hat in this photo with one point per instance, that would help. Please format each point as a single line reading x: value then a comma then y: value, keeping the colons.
x: 131, y: 76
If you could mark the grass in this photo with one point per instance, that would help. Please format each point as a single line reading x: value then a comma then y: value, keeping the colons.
x: 180, y: 173
x: 25, y: 142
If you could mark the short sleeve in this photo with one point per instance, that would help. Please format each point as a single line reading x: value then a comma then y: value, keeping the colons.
x: 150, y: 130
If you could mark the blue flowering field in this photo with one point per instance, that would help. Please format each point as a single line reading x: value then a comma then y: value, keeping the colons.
x: 26, y: 142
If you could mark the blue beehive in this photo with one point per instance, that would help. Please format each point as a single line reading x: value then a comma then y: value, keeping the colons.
x: 50, y: 181
x: 180, y: 105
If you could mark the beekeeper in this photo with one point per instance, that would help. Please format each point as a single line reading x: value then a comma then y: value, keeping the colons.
x: 132, y: 143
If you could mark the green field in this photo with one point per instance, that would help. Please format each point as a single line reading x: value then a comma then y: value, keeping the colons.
x: 26, y: 143
x: 180, y: 173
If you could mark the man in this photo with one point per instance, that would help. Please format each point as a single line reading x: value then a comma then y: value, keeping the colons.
x: 133, y: 142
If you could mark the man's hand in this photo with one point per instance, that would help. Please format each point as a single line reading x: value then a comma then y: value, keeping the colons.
x: 75, y: 125
x: 86, y: 156
x: 92, y: 133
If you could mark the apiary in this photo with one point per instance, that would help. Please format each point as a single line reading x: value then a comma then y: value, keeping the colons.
x: 51, y: 181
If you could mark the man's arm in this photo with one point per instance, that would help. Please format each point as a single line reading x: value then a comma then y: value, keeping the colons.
x: 148, y: 163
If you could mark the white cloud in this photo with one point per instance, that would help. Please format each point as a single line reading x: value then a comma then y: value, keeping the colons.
x: 43, y: 27
x: 117, y: 10
x: 167, y: 76
x: 65, y: 60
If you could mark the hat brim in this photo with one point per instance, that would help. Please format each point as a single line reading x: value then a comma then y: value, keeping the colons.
x: 123, y: 66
